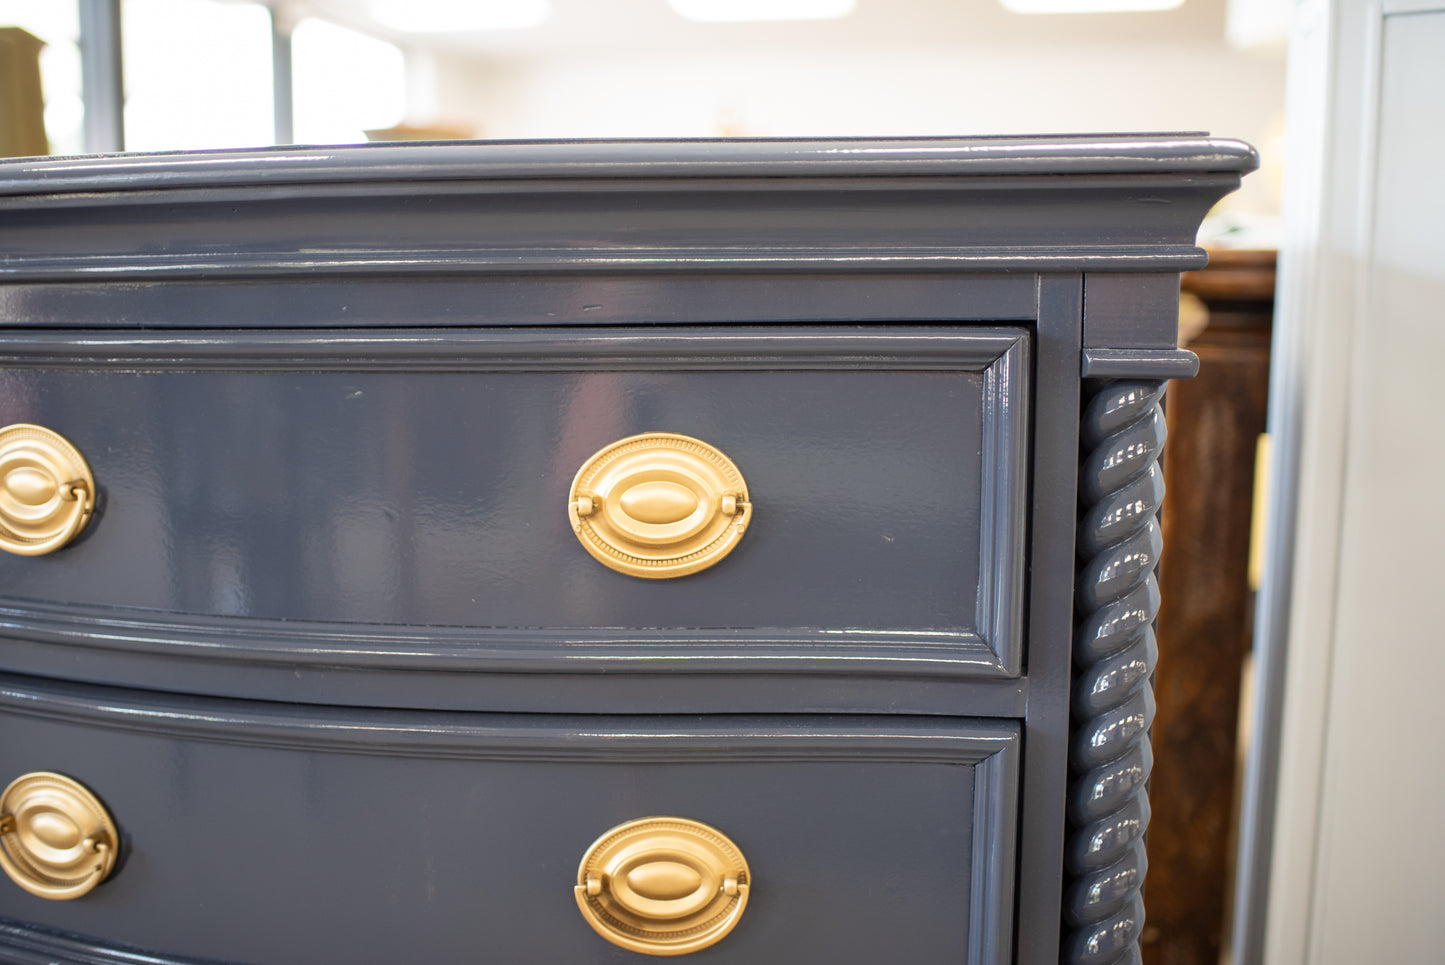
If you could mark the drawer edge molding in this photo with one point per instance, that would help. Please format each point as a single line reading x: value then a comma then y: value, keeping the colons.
x: 22, y: 944
x: 1144, y: 257
x: 467, y: 735
x: 946, y: 346
x: 1117, y: 599
x: 566, y: 650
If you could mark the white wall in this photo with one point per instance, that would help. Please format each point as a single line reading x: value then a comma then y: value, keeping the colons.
x: 1097, y: 86
x: 1381, y: 855
x: 1357, y: 844
x: 901, y: 68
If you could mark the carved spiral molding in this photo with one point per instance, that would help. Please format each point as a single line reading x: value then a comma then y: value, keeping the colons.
x: 1120, y: 491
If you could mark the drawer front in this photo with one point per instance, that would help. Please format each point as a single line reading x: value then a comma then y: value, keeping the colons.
x: 268, y: 834
x: 277, y: 478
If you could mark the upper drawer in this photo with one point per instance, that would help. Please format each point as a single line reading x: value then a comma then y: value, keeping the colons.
x: 420, y: 480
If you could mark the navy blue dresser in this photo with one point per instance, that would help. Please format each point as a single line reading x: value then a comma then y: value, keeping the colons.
x: 586, y: 552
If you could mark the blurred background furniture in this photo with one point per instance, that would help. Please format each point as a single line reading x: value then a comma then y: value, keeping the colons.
x: 1206, y: 624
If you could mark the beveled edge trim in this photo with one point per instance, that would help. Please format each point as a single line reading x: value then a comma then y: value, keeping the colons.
x: 390, y: 648
x: 1003, y: 477
x: 1114, y: 258
x: 1139, y: 363
x: 995, y: 820
x: 25, y: 944
x: 471, y: 735
x: 798, y: 345
x: 648, y: 160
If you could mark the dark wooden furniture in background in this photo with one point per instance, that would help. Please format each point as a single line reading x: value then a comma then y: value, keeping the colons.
x: 1205, y: 627
x: 22, y: 108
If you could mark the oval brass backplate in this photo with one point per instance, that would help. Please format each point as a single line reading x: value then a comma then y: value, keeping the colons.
x: 663, y: 885
x: 46, y: 490
x: 56, y: 839
x: 659, y: 505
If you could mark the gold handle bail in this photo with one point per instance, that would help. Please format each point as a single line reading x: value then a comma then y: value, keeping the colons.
x: 659, y: 505
x: 47, y: 493
x: 663, y: 885
x: 57, y: 840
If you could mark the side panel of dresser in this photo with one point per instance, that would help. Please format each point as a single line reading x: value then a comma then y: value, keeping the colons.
x: 1129, y: 353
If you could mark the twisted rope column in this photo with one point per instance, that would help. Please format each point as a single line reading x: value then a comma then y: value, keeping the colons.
x: 1120, y: 491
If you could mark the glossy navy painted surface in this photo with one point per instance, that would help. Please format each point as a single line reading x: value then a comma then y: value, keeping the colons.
x: 1057, y: 155
x: 427, y: 496
x: 467, y: 301
x: 236, y: 289
x: 295, y: 835
x: 441, y: 499
x: 1106, y: 203
x: 1117, y: 597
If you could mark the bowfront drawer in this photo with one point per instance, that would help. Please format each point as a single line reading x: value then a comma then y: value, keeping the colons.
x: 273, y: 834
x: 850, y: 503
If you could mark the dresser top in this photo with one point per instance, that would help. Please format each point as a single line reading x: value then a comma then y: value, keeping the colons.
x: 1083, y: 202
x: 1051, y: 155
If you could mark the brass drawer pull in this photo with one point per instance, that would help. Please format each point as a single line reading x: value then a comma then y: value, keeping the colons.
x: 662, y: 886
x: 659, y: 505
x: 56, y: 839
x: 46, y: 490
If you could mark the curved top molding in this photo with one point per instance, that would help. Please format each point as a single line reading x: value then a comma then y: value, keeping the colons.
x: 1109, y: 203
x: 1177, y: 153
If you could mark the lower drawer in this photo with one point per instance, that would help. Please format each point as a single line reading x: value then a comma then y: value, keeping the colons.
x: 268, y: 833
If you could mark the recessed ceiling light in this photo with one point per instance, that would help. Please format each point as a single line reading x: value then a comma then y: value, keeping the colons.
x: 447, y: 16
x: 723, y: 11
x: 1089, y: 6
